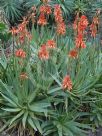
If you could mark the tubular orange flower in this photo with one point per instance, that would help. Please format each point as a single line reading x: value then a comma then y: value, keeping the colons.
x: 67, y: 83
x: 42, y: 20
x: 20, y: 53
x: 61, y: 28
x: 73, y: 53
x: 43, y: 53
x: 51, y: 44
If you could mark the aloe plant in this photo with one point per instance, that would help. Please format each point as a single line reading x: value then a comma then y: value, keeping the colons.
x: 32, y: 96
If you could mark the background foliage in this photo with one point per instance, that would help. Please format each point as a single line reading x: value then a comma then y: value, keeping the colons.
x: 15, y: 9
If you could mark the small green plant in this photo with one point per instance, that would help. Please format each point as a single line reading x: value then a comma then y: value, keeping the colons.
x: 4, y: 36
x: 13, y: 10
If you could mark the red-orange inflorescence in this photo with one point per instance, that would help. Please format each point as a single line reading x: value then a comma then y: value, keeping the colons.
x: 67, y: 83
x: 73, y: 53
x: 21, y: 31
x: 58, y: 14
x: 20, y: 53
x: 80, y: 25
x: 46, y: 9
x: 79, y: 42
x: 42, y: 19
x: 42, y: 9
x: 94, y: 26
x: 61, y: 27
x: 43, y: 53
x: 51, y: 44
x: 83, y: 23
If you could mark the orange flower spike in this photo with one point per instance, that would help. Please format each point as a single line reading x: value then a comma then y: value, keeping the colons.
x: 48, y: 9
x: 51, y: 44
x: 93, y: 26
x: 83, y: 23
x: 61, y: 28
x: 43, y: 53
x: 80, y: 26
x: 78, y: 40
x: 42, y: 20
x: 58, y: 14
x: 84, y: 18
x: 67, y: 83
x: 73, y: 53
x: 42, y: 9
x: 45, y: 9
x: 20, y: 53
